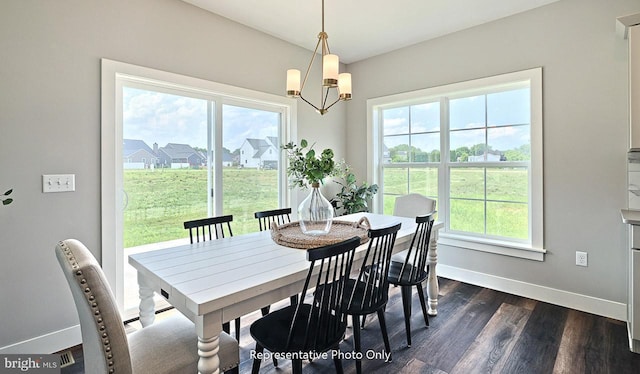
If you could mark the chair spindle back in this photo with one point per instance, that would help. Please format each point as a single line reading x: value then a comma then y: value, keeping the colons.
x: 371, y: 289
x: 202, y: 228
x: 321, y: 324
x: 414, y: 269
x: 279, y: 216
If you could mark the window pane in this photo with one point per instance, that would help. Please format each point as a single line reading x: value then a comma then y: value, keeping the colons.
x: 509, y: 143
x: 467, y: 112
x: 425, y: 117
x: 487, y: 127
x: 509, y: 107
x: 509, y: 220
x: 508, y: 184
x: 251, y: 150
x: 395, y: 121
x: 396, y: 149
x: 388, y: 201
x: 467, y: 145
x: 424, y: 181
x: 425, y: 148
x: 395, y: 181
x: 467, y: 215
x: 164, y: 164
x: 467, y: 183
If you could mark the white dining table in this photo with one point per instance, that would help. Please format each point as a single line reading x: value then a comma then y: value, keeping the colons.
x: 217, y: 281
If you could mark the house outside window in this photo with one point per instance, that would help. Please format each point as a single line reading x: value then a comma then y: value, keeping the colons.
x: 476, y: 148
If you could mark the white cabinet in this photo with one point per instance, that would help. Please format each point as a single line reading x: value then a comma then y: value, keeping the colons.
x: 634, y: 294
x: 634, y: 85
x: 629, y: 28
x: 632, y: 218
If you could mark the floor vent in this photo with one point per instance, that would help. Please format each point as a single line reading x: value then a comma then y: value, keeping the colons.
x: 66, y: 359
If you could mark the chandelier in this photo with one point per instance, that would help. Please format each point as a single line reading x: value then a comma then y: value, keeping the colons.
x: 331, y: 80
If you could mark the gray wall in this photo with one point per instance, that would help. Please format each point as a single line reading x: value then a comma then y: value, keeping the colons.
x: 585, y: 130
x: 50, y: 123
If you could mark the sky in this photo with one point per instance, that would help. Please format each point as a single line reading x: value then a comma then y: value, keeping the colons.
x: 162, y: 118
x: 466, y: 114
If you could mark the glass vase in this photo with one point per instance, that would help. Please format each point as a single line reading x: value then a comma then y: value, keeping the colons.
x: 315, y: 213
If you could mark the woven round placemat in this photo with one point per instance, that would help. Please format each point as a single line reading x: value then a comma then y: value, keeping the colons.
x: 290, y: 234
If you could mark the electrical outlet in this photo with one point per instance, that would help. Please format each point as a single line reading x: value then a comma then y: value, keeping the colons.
x: 581, y: 258
x: 58, y: 182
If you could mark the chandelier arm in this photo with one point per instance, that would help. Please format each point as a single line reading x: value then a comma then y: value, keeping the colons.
x: 326, y: 97
x: 308, y: 102
x: 332, y: 104
x: 325, y: 44
x: 313, y: 57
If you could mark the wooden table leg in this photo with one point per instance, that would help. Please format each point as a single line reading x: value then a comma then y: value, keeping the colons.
x: 209, y: 328
x: 147, y: 305
x: 432, y: 280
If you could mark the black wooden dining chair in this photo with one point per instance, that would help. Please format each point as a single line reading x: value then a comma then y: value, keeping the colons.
x: 279, y: 216
x: 211, y: 228
x: 413, y: 270
x: 311, y: 328
x: 265, y: 217
x: 369, y: 292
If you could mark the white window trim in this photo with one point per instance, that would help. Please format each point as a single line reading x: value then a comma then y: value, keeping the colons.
x: 111, y: 151
x: 535, y: 250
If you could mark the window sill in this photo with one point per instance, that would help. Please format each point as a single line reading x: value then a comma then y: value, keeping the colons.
x: 492, y: 246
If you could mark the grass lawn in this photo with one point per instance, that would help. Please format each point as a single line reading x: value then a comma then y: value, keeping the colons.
x: 506, y: 194
x: 160, y: 200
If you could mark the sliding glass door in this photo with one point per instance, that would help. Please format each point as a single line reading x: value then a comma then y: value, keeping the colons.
x: 251, y: 163
x: 184, y: 153
x: 164, y: 162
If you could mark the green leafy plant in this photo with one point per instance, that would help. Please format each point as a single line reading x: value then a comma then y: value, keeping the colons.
x: 6, y: 200
x: 305, y: 168
x: 353, y: 198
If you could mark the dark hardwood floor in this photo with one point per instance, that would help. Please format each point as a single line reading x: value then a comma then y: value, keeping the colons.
x: 477, y: 330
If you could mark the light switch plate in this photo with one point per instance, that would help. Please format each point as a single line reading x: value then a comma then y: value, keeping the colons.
x: 58, y: 182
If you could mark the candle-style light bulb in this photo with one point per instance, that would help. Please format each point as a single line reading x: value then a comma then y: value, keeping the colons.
x: 330, y: 64
x: 293, y: 82
x: 344, y: 86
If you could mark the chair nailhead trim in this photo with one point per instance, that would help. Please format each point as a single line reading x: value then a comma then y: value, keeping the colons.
x: 94, y: 305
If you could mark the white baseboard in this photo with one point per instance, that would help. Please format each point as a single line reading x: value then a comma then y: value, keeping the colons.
x: 48, y: 343
x: 589, y: 304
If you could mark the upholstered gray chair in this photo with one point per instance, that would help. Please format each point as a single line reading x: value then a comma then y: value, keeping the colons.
x: 167, y: 346
x: 411, y: 206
